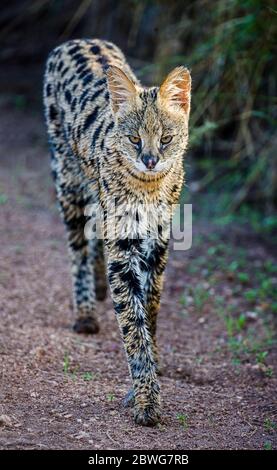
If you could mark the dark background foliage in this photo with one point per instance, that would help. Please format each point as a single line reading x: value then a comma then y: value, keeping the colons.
x: 230, y: 47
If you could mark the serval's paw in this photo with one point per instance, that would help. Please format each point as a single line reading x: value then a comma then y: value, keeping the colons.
x: 87, y: 325
x: 148, y: 416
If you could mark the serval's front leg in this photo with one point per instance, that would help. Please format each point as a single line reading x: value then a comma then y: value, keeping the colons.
x: 154, y: 265
x: 127, y: 288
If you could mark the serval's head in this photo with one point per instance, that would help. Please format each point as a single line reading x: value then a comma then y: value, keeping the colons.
x: 151, y: 124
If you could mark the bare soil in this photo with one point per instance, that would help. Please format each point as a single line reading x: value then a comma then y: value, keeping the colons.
x: 60, y: 390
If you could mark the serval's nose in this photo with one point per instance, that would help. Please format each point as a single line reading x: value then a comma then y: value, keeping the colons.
x: 150, y: 161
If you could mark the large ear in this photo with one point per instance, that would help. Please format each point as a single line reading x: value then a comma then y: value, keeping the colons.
x: 175, y: 89
x: 121, y: 88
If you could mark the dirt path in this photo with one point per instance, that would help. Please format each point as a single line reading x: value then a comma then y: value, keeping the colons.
x: 63, y: 391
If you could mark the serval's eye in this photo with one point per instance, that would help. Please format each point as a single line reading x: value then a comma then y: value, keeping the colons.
x: 134, y: 139
x: 166, y: 139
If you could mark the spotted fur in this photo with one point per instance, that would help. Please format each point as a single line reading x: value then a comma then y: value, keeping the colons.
x: 94, y: 105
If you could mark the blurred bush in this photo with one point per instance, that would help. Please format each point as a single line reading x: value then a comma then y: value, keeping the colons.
x: 230, y: 47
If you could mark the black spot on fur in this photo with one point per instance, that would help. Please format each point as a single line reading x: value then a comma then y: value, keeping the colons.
x: 73, y: 49
x: 53, y: 112
x: 73, y: 104
x: 88, y: 78
x: 81, y: 68
x: 116, y: 267
x: 91, y: 118
x: 84, y: 95
x: 96, y: 94
x: 65, y: 84
x: 80, y: 59
x: 68, y: 96
x: 139, y: 322
x: 60, y: 66
x: 84, y: 103
x: 95, y: 49
x: 132, y: 280
x: 70, y: 80
x: 84, y: 73
x: 79, y: 131
x: 119, y: 307
x: 48, y: 90
x: 103, y: 60
x: 109, y: 128
x: 154, y: 259
x: 100, y: 82
x: 125, y: 330
x: 126, y: 244
x: 96, y: 134
x: 105, y: 184
x: 118, y: 290
x: 154, y: 93
x: 64, y: 71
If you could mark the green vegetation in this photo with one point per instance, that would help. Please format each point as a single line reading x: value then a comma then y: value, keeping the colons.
x: 197, y: 295
x: 269, y: 372
x: 66, y: 363
x: 234, y: 325
x: 110, y: 397
x: 241, y: 291
x: 3, y: 199
x: 88, y: 376
x: 261, y: 356
x: 267, y: 445
x: 183, y: 420
x: 269, y: 425
x: 73, y: 371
